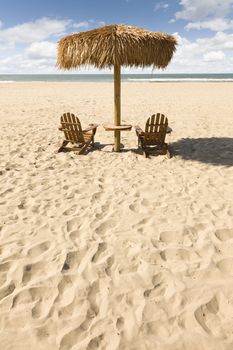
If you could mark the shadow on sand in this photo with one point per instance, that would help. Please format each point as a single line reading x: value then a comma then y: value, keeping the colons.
x: 213, y: 150
x: 109, y: 148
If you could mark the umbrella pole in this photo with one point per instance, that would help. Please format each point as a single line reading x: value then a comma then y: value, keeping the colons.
x: 117, y: 106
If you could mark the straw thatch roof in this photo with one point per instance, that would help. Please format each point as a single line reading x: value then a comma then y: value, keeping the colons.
x: 116, y: 44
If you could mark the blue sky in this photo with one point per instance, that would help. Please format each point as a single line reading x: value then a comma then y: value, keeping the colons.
x: 30, y: 29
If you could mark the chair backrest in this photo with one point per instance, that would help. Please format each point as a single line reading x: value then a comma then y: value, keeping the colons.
x: 155, y: 130
x: 72, y: 128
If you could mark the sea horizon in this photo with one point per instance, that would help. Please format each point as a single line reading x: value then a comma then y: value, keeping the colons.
x: 98, y: 77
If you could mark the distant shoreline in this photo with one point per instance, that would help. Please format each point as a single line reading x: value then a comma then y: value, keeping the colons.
x: 153, y: 78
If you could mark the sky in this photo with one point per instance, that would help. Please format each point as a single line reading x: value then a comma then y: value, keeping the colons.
x: 30, y: 30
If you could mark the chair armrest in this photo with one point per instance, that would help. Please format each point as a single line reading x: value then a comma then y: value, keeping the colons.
x: 169, y: 130
x: 60, y: 128
x: 138, y: 130
x: 90, y: 127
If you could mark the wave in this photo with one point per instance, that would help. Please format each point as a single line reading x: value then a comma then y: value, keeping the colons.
x: 180, y: 79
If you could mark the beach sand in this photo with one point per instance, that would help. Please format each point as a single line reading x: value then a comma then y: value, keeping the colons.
x: 113, y: 250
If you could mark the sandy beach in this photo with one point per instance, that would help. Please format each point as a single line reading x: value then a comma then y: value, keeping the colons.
x: 109, y: 250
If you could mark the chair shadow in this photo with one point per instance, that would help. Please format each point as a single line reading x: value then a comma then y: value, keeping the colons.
x: 97, y: 146
x: 212, y: 150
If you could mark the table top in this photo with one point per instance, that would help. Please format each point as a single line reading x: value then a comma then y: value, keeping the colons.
x: 111, y: 127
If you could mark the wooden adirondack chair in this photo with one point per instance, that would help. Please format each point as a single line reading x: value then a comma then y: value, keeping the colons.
x: 154, y: 135
x: 73, y: 132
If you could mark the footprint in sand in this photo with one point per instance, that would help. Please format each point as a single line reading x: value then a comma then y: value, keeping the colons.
x: 96, y: 197
x: 73, y: 260
x: 200, y: 317
x: 5, y: 267
x: 22, y: 297
x: 43, y: 307
x: 68, y: 311
x: 105, y: 227
x: 70, y: 211
x: 171, y: 237
x: 101, y: 248
x: 34, y: 271
x: 95, y: 343
x: 3, y: 278
x: 208, y: 316
x: 39, y: 249
x: 134, y: 207
x: 99, y: 216
x: 44, y: 331
x: 44, y: 298
x: 7, y: 290
x: 177, y: 254
x: 38, y: 295
x: 73, y: 224
x: 74, y: 236
x: 71, y: 338
x: 157, y: 282
x: 65, y: 284
x: 92, y: 297
x: 224, y: 234
x: 110, y: 262
x: 213, y: 305
x: 39, y: 310
x: 226, y: 266
x: 120, y: 323
x: 140, y: 205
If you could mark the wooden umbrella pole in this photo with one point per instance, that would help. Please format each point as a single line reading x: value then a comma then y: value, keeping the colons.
x: 117, y: 106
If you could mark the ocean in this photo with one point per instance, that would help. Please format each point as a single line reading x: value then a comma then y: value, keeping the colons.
x: 153, y: 78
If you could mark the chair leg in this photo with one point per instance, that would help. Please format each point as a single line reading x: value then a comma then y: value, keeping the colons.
x: 169, y: 153
x: 144, y: 151
x: 83, y: 149
x: 93, y: 136
x: 64, y: 144
x: 92, y: 140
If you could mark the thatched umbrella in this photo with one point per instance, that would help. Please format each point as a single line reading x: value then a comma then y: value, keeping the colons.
x: 116, y: 45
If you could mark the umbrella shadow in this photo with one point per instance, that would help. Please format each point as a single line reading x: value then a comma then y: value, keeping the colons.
x: 212, y: 150
x: 109, y: 148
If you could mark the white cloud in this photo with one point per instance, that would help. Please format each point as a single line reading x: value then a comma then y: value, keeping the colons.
x: 196, y: 10
x: 214, y: 56
x: 21, y: 64
x: 31, y: 47
x: 30, y: 32
x: 101, y: 23
x: 204, y: 54
x: 81, y: 25
x: 220, y: 41
x: 43, y: 49
x: 87, y: 24
x: 206, y: 14
x: 41, y: 29
x: 217, y: 24
x: 161, y: 5
x: 208, y: 54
